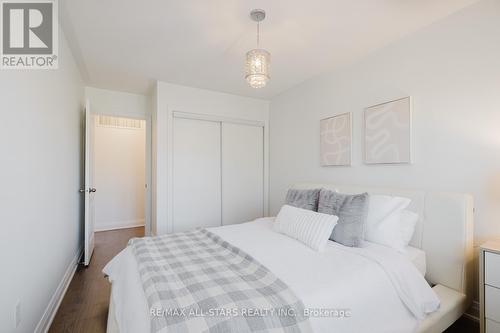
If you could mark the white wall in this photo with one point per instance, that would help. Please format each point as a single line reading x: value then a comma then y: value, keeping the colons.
x: 119, y: 177
x: 40, y: 206
x: 118, y: 103
x: 452, y: 70
x: 169, y: 98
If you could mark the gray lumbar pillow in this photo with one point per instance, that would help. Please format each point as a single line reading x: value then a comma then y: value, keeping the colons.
x: 351, y: 211
x: 305, y: 199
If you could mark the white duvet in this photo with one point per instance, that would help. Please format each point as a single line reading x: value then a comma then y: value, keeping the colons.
x: 381, y: 289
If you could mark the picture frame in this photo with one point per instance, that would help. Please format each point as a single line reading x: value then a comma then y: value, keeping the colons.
x: 336, y: 140
x: 388, y: 132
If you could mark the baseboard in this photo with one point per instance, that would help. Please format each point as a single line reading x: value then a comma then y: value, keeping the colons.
x: 122, y: 225
x: 51, y: 310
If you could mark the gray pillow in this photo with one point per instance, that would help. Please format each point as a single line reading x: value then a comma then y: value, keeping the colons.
x: 305, y: 199
x: 351, y: 211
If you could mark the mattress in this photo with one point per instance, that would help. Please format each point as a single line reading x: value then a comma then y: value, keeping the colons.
x: 339, y: 278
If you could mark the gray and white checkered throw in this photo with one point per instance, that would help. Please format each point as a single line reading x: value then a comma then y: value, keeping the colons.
x: 197, y: 282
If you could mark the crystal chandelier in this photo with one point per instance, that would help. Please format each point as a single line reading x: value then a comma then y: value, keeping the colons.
x: 258, y: 60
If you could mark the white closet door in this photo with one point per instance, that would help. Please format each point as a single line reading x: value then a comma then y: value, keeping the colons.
x: 242, y: 173
x: 196, y: 174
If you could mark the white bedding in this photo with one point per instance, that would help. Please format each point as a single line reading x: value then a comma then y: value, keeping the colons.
x: 417, y: 257
x: 372, y: 282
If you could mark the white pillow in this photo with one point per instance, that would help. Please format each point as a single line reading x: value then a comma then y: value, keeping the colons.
x: 383, y: 221
x: 409, y: 221
x: 309, y: 227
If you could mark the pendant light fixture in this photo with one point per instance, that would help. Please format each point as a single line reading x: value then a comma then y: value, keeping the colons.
x: 258, y: 60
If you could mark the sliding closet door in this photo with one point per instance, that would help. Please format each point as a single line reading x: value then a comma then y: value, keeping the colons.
x: 242, y: 173
x: 196, y: 174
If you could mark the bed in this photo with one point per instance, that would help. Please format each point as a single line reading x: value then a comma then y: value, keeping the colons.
x: 340, y: 278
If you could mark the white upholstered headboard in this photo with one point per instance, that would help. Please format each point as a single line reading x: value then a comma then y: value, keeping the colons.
x: 444, y: 232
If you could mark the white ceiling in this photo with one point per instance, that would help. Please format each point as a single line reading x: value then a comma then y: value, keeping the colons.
x: 128, y: 44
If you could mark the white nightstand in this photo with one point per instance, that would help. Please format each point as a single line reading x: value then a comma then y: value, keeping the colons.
x: 489, y: 286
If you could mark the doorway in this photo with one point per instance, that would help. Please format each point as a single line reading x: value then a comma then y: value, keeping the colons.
x: 120, y: 154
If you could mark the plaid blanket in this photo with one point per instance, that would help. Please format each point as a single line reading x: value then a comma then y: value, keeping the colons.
x: 197, y: 282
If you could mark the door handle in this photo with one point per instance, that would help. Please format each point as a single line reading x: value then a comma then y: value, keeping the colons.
x: 91, y: 190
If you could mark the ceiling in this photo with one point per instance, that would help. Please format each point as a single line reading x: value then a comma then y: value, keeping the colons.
x: 127, y: 45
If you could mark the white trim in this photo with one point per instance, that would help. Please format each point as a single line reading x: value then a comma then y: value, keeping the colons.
x: 121, y: 225
x: 218, y: 119
x: 148, y: 208
x: 57, y: 297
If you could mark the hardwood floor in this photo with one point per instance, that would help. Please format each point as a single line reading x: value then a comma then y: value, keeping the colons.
x: 464, y: 325
x: 85, y: 305
x: 84, y: 308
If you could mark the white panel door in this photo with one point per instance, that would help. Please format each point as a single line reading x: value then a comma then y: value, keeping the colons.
x: 88, y: 188
x: 242, y: 173
x: 196, y: 174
